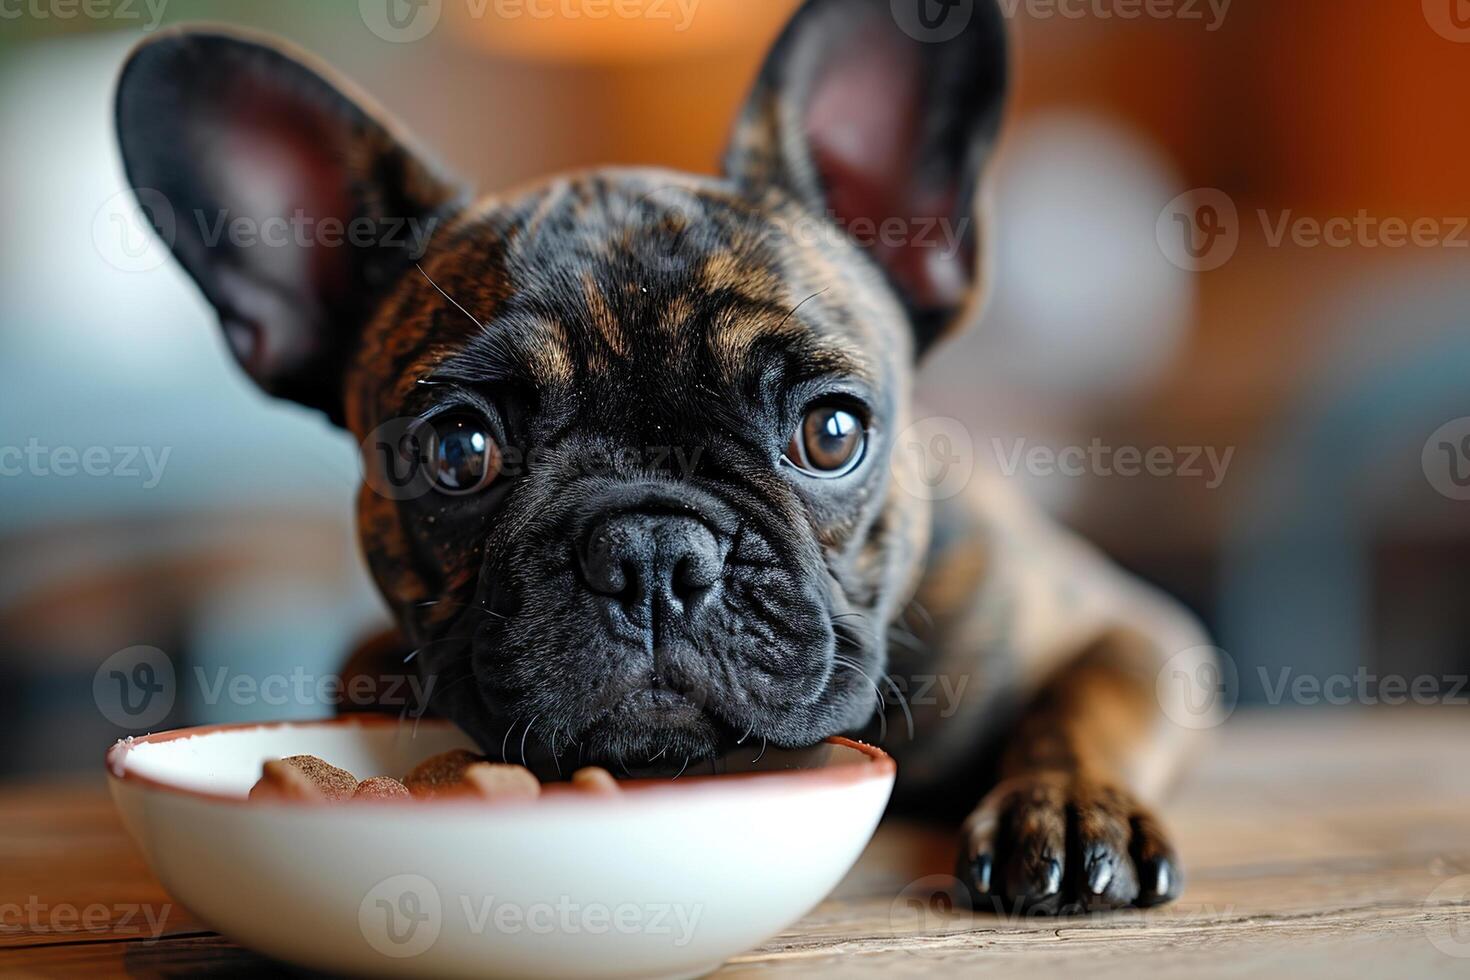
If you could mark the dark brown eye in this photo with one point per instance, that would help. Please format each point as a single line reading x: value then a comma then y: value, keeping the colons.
x: 829, y: 443
x: 463, y: 456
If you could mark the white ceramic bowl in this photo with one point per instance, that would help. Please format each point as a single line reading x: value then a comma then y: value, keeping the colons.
x: 663, y: 880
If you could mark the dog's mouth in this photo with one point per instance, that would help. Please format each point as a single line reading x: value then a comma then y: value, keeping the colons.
x: 653, y: 729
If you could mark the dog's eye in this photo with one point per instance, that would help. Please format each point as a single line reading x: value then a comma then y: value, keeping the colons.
x: 463, y: 456
x: 829, y: 443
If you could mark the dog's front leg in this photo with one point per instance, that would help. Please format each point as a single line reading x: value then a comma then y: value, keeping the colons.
x: 1069, y: 827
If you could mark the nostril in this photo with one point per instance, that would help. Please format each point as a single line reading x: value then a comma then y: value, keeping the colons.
x: 606, y: 571
x: 641, y: 559
x: 628, y: 591
x: 693, y: 575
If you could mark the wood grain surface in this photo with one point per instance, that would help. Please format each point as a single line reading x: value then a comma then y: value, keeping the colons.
x: 1325, y: 844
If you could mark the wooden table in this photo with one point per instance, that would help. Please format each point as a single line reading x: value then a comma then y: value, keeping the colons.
x: 1318, y: 844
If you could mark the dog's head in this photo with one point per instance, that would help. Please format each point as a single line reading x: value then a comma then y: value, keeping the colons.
x: 627, y: 434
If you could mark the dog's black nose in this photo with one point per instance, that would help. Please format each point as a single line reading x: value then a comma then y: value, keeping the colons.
x: 645, y: 558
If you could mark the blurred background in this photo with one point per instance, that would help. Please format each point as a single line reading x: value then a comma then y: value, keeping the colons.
x: 1199, y: 249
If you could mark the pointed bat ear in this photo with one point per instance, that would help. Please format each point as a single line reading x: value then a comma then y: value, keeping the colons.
x: 291, y: 202
x: 884, y: 111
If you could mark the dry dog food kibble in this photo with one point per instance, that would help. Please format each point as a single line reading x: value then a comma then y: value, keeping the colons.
x: 494, y: 781
x: 595, y: 780
x: 458, y: 773
x: 303, y: 777
x: 381, y: 788
x: 440, y: 774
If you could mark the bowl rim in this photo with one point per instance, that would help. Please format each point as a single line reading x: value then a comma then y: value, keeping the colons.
x: 875, y: 764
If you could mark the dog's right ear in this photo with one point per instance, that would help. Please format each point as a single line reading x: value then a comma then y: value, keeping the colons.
x: 291, y: 203
x: 883, y: 111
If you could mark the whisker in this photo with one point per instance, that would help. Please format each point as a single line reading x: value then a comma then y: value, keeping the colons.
x: 504, y: 739
x: 903, y: 702
x: 881, y: 703
x: 523, y: 738
x: 434, y: 643
x: 450, y: 298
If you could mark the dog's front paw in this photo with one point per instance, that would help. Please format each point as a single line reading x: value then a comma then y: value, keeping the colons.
x: 1056, y: 844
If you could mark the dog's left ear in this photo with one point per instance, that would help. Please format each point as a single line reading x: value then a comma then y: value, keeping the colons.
x: 288, y: 198
x: 880, y: 115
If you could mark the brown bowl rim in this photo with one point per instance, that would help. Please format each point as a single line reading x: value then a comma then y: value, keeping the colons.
x: 875, y: 764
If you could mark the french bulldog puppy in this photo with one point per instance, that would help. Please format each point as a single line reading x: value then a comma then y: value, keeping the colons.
x: 634, y: 483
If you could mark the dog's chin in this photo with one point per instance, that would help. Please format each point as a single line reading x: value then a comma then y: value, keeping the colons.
x: 652, y: 732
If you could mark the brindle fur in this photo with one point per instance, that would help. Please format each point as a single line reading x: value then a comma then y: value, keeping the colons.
x: 642, y: 308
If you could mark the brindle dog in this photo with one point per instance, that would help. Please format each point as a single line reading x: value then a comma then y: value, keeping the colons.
x: 641, y: 499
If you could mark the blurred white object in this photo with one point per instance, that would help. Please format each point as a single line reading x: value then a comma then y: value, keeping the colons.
x: 665, y: 879
x: 107, y: 347
x: 1084, y: 302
